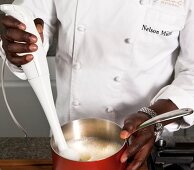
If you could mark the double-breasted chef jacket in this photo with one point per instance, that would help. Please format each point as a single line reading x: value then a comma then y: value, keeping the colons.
x: 114, y: 57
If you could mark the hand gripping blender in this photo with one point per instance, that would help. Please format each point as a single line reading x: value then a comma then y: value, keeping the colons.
x: 37, y: 73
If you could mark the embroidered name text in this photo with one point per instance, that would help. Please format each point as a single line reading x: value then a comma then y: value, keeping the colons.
x: 154, y: 31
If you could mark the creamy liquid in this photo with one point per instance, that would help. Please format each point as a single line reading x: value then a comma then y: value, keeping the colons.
x: 92, y: 149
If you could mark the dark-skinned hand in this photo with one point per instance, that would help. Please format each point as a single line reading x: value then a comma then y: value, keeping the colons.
x: 141, y: 143
x: 17, y: 40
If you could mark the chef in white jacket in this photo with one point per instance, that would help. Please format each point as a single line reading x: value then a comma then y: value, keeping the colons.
x: 113, y: 58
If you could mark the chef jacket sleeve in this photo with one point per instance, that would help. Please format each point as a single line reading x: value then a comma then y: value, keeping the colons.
x: 181, y: 91
x: 41, y: 9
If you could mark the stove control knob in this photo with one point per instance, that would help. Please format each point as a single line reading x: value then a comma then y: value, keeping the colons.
x: 160, y: 143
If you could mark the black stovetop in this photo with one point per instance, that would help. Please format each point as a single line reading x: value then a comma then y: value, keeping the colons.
x: 179, y: 156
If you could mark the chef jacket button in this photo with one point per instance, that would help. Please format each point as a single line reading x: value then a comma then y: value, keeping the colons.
x: 128, y: 40
x: 117, y: 79
x: 76, y: 103
x: 142, y: 2
x: 76, y: 66
x: 81, y: 28
x: 109, y: 109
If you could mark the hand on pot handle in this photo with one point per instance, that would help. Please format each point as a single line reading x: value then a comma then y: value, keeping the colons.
x: 141, y: 142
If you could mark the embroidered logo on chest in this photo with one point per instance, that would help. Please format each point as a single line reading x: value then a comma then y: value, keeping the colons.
x: 175, y: 3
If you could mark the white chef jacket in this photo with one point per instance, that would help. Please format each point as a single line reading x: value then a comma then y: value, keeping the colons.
x: 114, y: 57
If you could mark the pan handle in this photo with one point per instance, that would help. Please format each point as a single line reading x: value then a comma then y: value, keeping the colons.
x: 166, y: 116
x: 163, y: 117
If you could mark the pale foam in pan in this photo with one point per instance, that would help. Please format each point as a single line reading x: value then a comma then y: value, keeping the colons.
x: 92, y: 149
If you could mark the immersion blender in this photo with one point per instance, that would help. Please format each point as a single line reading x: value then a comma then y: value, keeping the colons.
x: 37, y: 73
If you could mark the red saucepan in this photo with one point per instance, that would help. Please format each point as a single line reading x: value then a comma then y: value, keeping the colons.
x: 100, y: 137
x: 98, y: 142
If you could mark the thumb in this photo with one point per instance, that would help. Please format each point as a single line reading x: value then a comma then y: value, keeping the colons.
x: 132, y: 123
x: 128, y: 129
x: 126, y: 132
x: 40, y: 26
